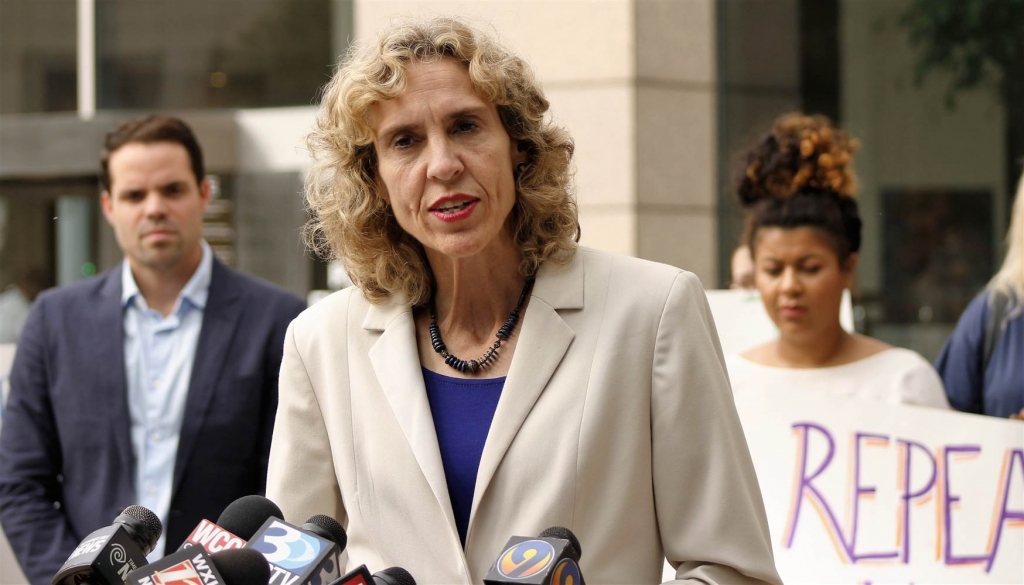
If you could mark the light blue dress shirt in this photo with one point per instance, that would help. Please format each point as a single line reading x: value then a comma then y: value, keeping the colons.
x: 158, y: 355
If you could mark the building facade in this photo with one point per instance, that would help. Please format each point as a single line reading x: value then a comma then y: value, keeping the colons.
x: 661, y: 96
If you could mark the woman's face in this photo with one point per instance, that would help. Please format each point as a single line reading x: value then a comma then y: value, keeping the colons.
x: 801, y: 281
x: 445, y: 162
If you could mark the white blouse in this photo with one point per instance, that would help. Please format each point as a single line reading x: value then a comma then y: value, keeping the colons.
x: 895, y: 376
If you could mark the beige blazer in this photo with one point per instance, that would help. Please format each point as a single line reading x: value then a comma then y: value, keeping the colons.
x: 616, y: 421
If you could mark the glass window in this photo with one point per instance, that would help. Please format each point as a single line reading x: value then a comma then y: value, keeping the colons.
x: 37, y: 56
x: 212, y: 53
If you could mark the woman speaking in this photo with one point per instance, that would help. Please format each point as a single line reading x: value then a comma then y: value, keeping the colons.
x: 486, y: 376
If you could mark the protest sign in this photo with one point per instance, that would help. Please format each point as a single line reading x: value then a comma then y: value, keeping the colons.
x: 866, y: 492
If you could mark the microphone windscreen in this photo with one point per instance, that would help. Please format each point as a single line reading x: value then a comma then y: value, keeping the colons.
x: 396, y: 576
x: 246, y: 515
x: 332, y: 527
x: 145, y: 526
x: 241, y: 566
x: 564, y: 534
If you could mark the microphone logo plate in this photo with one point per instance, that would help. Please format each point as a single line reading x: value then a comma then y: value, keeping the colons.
x: 287, y: 547
x: 185, y: 573
x: 566, y: 572
x: 526, y: 559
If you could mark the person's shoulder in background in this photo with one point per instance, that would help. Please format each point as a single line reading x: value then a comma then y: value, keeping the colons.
x: 959, y: 362
x: 271, y: 296
x: 914, y: 378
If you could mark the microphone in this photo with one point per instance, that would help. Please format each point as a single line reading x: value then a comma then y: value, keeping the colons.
x: 107, y: 555
x: 306, y: 554
x: 236, y: 524
x: 390, y: 576
x: 552, y: 558
x: 241, y: 566
x: 327, y: 528
x: 188, y: 566
x: 247, y: 514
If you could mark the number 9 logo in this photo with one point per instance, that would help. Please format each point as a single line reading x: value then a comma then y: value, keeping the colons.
x: 566, y: 573
x: 526, y: 559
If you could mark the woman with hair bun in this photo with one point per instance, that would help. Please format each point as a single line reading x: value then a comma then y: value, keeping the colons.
x: 803, y: 230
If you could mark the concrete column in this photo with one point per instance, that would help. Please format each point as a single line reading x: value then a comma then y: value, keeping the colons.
x: 677, y: 135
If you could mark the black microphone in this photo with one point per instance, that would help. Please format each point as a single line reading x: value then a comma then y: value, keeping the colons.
x: 305, y: 555
x: 191, y: 566
x: 235, y: 526
x: 107, y: 555
x: 390, y: 576
x: 242, y: 566
x: 246, y: 515
x: 552, y: 558
x: 327, y: 528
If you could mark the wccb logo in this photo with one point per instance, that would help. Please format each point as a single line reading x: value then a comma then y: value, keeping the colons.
x: 526, y: 559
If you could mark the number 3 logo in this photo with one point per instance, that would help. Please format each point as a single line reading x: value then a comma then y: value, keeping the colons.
x: 284, y: 554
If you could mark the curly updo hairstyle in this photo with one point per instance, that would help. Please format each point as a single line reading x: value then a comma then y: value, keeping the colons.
x: 801, y: 175
x: 351, y: 221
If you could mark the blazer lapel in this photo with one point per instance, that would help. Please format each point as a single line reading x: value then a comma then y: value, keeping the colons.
x: 220, y: 319
x: 396, y: 363
x: 543, y: 341
x: 108, y: 345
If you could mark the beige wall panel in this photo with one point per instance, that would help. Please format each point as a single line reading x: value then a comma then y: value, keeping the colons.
x: 274, y: 139
x: 601, y: 122
x: 675, y: 40
x: 676, y: 147
x: 564, y: 40
x: 611, y: 228
x: 686, y: 240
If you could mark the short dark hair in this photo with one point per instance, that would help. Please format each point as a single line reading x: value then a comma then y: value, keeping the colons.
x: 148, y: 130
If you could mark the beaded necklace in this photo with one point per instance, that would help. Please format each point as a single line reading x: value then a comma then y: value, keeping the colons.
x: 473, y: 366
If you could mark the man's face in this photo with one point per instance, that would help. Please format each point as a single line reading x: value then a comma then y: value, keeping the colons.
x: 155, y: 205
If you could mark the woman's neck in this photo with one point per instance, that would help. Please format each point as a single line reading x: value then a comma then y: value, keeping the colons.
x: 815, y: 351
x: 475, y: 295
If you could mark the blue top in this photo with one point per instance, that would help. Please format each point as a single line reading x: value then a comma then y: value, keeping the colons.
x: 462, y: 410
x: 999, y: 390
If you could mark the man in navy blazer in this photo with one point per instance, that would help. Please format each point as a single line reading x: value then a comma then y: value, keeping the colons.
x: 153, y: 382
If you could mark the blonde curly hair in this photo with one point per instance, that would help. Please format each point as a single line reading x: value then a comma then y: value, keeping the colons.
x: 349, y: 220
